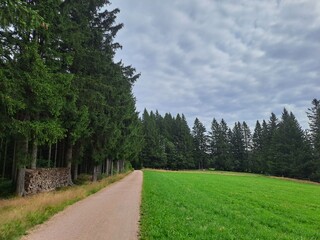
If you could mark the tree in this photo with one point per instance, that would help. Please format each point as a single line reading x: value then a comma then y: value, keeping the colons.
x: 36, y: 87
x: 313, y: 114
x: 257, y: 146
x: 200, y: 144
x: 247, y: 138
x: 184, y: 144
x: 292, y: 158
x: 314, y: 122
x: 59, y: 85
x: 213, y: 139
x: 269, y: 156
x: 238, y: 147
x: 223, y: 160
x: 154, y: 152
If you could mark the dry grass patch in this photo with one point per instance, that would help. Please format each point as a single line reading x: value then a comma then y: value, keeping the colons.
x: 17, y: 215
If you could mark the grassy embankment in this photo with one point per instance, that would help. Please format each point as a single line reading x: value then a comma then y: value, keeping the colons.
x: 180, y: 205
x: 17, y: 215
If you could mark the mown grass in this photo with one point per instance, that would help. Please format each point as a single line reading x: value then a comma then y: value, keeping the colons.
x: 17, y: 215
x: 180, y: 205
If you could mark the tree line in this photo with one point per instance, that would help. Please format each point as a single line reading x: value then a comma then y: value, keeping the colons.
x: 64, y: 101
x: 278, y: 147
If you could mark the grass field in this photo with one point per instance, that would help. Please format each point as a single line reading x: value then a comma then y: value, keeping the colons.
x: 181, y: 205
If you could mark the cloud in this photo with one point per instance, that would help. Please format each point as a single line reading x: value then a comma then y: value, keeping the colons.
x: 237, y: 60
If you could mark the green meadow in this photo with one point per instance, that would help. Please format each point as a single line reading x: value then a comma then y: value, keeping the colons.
x: 195, y: 205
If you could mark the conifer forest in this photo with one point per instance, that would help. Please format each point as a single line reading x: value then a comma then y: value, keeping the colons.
x: 277, y: 146
x: 66, y: 102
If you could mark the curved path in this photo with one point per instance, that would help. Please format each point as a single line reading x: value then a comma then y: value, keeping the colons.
x: 112, y: 213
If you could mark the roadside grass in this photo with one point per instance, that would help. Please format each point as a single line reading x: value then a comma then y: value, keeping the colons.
x: 19, y: 214
x: 186, y: 205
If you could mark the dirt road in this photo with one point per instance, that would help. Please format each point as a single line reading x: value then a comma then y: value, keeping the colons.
x: 112, y: 213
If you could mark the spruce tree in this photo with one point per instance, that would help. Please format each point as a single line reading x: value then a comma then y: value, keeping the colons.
x: 213, y: 140
x: 200, y: 144
x: 314, y: 123
x: 257, y: 146
x: 154, y: 152
x: 313, y: 114
x: 238, y: 148
x: 269, y: 147
x: 292, y: 156
x: 184, y: 144
x: 247, y: 138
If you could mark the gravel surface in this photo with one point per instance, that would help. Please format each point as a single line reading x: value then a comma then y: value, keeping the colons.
x: 112, y: 213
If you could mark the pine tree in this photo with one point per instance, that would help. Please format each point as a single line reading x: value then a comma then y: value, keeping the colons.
x: 154, y: 152
x: 200, y: 144
x: 59, y: 85
x: 269, y: 151
x: 223, y: 159
x: 292, y: 158
x: 213, y: 140
x: 38, y: 89
x: 247, y: 138
x: 238, y: 147
x: 257, y: 146
x: 184, y: 144
x: 314, y: 123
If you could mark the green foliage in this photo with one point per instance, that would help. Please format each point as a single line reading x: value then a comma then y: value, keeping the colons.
x: 168, y: 141
x: 200, y: 144
x: 277, y: 147
x: 19, y: 14
x: 178, y: 205
x: 60, y: 85
x: 292, y: 153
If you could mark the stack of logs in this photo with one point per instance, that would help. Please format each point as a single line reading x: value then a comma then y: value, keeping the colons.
x: 46, y: 179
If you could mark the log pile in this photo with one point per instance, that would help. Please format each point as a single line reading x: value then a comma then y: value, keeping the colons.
x: 45, y: 179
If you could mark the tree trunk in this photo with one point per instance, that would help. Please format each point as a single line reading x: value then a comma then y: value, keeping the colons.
x: 14, y: 167
x: 49, y: 155
x: 20, y: 191
x: 95, y: 174
x: 34, y: 155
x: 55, y: 156
x: 23, y: 147
x: 4, y: 158
x: 69, y: 155
x: 75, y: 171
x: 103, y: 167
x: 99, y: 169
x: 111, y: 173
x: 1, y: 153
x: 122, y: 166
x: 108, y: 167
x: 118, y: 166
x: 69, y: 159
x: 62, y: 154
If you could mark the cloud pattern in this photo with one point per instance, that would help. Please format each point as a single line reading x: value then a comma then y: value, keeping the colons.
x: 237, y: 60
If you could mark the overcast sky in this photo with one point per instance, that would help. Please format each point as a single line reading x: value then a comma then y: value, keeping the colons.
x: 234, y: 59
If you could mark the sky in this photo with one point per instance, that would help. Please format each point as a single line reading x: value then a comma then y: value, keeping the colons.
x: 238, y: 60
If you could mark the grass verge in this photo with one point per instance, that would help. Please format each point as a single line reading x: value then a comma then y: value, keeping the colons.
x: 181, y: 205
x: 17, y: 215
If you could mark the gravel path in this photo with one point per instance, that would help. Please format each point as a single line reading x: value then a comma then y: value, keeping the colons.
x: 112, y: 213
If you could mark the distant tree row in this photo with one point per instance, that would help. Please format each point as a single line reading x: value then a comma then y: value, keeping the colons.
x: 64, y: 101
x: 276, y: 147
